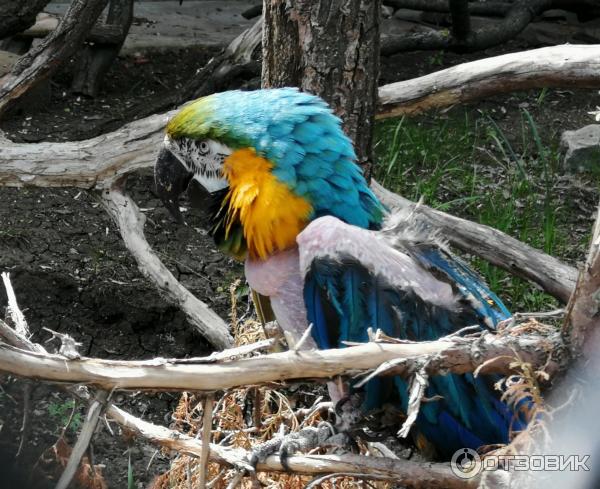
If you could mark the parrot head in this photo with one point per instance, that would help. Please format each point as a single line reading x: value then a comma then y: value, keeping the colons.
x: 271, y: 160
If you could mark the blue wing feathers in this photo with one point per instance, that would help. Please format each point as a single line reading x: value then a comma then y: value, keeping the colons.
x: 469, y: 413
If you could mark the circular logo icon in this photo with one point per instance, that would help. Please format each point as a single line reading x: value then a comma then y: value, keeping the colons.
x: 465, y: 463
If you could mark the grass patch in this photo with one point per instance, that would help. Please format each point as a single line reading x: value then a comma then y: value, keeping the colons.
x: 502, y: 175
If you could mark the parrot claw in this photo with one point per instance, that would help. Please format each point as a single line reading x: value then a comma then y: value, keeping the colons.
x: 309, y: 438
x: 324, y: 435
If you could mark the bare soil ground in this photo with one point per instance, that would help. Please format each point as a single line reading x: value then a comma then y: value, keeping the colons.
x: 72, y: 274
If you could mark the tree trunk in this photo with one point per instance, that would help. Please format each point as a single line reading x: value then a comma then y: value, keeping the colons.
x: 42, y: 61
x: 330, y: 49
x: 94, y: 60
x: 18, y: 15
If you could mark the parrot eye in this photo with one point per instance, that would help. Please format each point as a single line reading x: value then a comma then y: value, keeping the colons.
x: 204, y: 147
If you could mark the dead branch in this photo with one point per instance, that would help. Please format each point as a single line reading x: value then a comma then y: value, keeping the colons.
x: 83, y: 440
x: 14, y: 311
x: 409, y: 474
x: 404, y: 472
x: 475, y: 8
x: 42, y: 61
x: 517, y: 17
x: 582, y: 322
x: 130, y: 220
x: 206, y: 434
x: 91, y: 164
x: 492, y: 352
x: 575, y: 66
x: 235, y: 62
x: 498, y: 248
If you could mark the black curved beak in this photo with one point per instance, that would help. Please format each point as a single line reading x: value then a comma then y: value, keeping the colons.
x: 171, y: 179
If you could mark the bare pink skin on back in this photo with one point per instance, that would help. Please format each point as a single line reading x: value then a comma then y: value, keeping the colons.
x: 278, y: 277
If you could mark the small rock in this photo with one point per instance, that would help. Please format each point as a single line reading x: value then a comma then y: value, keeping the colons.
x: 583, y: 148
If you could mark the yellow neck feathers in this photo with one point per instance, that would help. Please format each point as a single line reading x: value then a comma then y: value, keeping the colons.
x: 271, y: 214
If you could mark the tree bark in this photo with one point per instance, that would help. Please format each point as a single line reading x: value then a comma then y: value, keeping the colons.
x: 330, y: 49
x: 18, y: 15
x: 582, y: 323
x: 42, y: 61
x: 94, y: 60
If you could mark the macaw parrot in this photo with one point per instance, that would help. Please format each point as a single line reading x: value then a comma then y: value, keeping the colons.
x: 289, y: 199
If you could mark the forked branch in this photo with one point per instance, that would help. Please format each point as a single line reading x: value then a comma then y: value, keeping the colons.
x: 130, y: 220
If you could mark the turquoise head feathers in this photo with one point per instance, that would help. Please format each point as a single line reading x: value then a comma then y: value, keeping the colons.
x: 302, y: 138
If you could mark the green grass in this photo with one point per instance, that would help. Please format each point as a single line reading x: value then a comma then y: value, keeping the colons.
x: 469, y: 166
x: 65, y: 414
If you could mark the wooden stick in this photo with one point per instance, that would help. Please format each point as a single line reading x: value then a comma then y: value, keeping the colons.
x: 206, y: 434
x: 13, y: 308
x: 458, y: 355
x: 83, y: 440
x: 130, y: 220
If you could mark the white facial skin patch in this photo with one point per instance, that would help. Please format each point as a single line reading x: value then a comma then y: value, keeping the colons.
x: 203, y: 158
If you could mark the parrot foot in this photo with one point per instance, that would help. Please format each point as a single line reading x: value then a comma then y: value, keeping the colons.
x: 338, y: 435
x: 304, y: 440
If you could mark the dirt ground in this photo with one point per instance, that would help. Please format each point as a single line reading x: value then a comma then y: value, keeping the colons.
x: 72, y: 274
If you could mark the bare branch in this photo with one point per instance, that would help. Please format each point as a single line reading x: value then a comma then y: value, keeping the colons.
x: 206, y: 434
x: 455, y: 354
x: 15, y: 313
x: 404, y: 472
x: 518, y: 16
x: 500, y: 249
x: 418, y: 383
x: 557, y: 66
x: 131, y: 224
x: 94, y: 163
x: 85, y: 437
